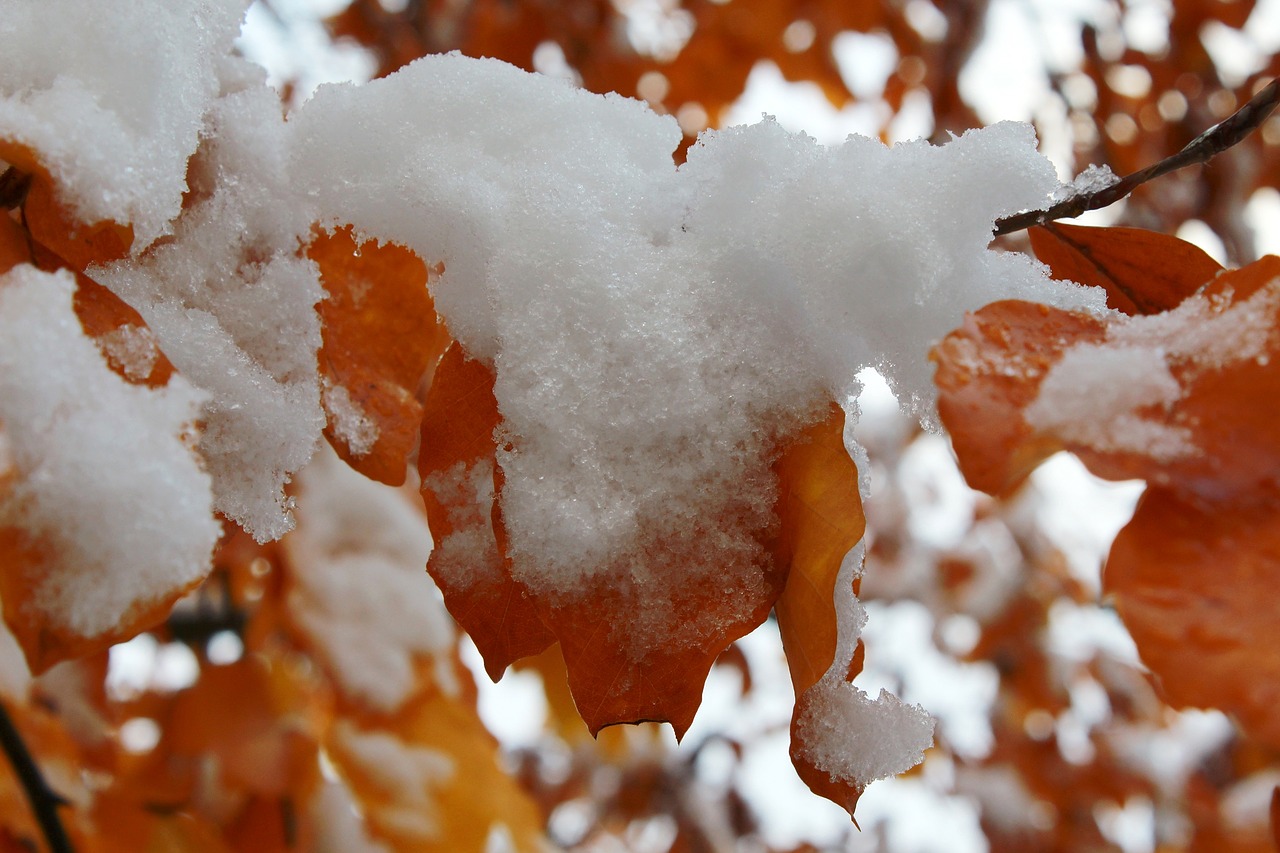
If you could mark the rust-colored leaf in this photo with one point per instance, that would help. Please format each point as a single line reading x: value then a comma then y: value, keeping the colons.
x: 1187, y: 579
x: 78, y: 243
x: 989, y: 371
x: 821, y: 518
x: 456, y: 460
x: 1143, y: 272
x: 45, y: 642
x: 380, y: 334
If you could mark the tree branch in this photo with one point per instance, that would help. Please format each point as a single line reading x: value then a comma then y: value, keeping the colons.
x: 44, y: 800
x: 1202, y: 149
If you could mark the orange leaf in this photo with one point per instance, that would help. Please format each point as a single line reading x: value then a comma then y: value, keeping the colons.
x: 79, y: 244
x: 455, y: 458
x: 989, y: 371
x: 821, y: 520
x: 45, y: 642
x: 1143, y: 272
x: 121, y: 335
x: 1189, y: 580
x: 380, y: 334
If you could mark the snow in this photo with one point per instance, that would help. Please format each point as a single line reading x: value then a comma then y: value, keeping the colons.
x: 232, y: 305
x: 108, y: 484
x: 656, y: 332
x: 403, y: 775
x: 1103, y: 395
x: 111, y: 97
x: 359, y: 588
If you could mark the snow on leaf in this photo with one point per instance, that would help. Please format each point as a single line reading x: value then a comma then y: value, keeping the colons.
x: 89, y: 455
x: 1143, y: 272
x: 989, y: 371
x: 841, y: 739
x: 1186, y: 399
x: 380, y: 334
x: 57, y: 228
x: 355, y: 589
x: 456, y: 463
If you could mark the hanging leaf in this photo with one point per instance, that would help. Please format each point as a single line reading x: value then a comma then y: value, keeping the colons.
x: 821, y: 518
x: 456, y: 460
x: 1187, y: 578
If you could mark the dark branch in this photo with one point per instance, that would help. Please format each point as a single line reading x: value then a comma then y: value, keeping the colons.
x: 1202, y: 149
x: 44, y: 800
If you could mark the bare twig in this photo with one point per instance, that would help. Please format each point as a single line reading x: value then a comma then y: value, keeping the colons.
x: 44, y: 800
x: 1202, y: 149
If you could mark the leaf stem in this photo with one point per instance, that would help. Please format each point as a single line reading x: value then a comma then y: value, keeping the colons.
x: 44, y: 800
x: 1202, y: 149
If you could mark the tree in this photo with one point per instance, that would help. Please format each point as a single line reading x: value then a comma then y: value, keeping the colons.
x: 617, y: 389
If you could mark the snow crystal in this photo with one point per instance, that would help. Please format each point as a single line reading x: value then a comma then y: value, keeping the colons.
x: 851, y: 736
x: 111, y: 97
x: 106, y: 478
x: 232, y: 306
x: 360, y: 588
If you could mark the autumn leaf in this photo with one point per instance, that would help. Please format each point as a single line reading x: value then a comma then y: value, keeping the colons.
x: 989, y: 372
x: 821, y: 518
x: 1143, y: 272
x: 456, y: 461
x: 380, y: 334
x: 1199, y: 550
x: 1186, y: 578
x: 56, y: 228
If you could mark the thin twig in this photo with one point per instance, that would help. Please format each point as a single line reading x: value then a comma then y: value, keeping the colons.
x: 1202, y: 149
x: 44, y: 800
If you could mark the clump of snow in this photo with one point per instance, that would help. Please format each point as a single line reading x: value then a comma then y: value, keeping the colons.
x: 655, y: 331
x: 232, y: 305
x: 133, y: 348
x: 111, y: 97
x: 839, y: 728
x: 1093, y: 396
x: 1093, y: 179
x: 1116, y: 395
x: 359, y: 587
x: 856, y: 738
x: 337, y: 822
x: 348, y: 420
x: 106, y: 479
